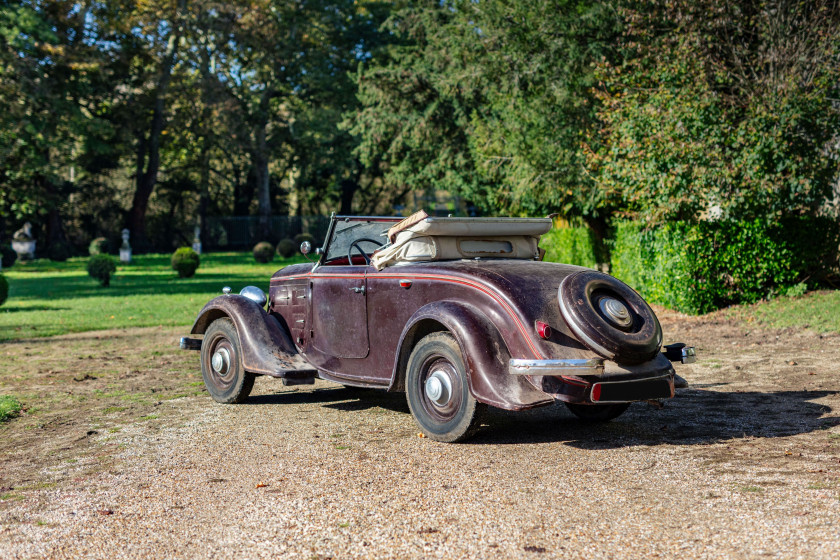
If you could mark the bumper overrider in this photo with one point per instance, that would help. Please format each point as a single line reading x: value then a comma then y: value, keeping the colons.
x: 596, y: 380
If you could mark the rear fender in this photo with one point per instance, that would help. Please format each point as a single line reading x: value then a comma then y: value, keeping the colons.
x: 267, y: 348
x: 485, y: 355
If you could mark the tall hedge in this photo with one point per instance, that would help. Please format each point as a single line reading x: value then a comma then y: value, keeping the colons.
x: 571, y: 245
x: 696, y: 268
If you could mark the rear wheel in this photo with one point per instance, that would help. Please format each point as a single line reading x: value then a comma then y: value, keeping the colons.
x: 221, y: 364
x: 437, y: 390
x: 597, y: 412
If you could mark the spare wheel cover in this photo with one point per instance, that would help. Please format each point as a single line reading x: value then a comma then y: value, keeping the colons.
x: 626, y: 331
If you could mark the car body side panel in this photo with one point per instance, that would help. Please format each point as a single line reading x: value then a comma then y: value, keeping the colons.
x: 267, y: 348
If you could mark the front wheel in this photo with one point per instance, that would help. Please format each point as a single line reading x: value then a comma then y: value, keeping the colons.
x: 597, y: 412
x: 437, y: 390
x: 221, y: 364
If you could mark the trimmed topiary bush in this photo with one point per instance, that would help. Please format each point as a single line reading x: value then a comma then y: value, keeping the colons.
x: 263, y: 252
x: 697, y: 268
x: 301, y: 237
x: 8, y: 256
x: 99, y: 246
x: 571, y: 245
x: 185, y: 261
x: 101, y: 267
x: 286, y: 248
x: 4, y: 289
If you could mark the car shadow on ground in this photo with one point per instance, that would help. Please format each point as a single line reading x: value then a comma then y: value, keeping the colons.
x: 349, y: 399
x: 695, y: 416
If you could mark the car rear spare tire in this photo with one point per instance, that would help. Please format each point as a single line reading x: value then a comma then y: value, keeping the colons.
x: 609, y: 317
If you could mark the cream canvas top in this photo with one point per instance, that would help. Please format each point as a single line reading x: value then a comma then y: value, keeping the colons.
x: 423, y: 238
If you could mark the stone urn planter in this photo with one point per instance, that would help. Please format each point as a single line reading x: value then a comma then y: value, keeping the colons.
x: 23, y: 243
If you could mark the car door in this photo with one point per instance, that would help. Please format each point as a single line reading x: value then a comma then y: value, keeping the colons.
x: 339, y: 312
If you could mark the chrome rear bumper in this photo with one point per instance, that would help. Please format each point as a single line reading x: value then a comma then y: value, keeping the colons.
x: 595, y: 366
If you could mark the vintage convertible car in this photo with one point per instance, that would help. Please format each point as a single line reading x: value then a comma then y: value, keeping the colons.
x: 459, y: 313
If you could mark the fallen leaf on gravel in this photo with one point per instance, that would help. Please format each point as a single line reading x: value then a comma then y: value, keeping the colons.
x: 788, y: 452
x: 262, y: 485
x: 105, y: 511
x: 421, y: 435
x: 792, y: 363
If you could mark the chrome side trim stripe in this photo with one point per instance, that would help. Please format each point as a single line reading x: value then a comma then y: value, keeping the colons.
x: 593, y: 366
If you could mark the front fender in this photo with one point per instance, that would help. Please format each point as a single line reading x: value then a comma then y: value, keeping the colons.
x: 485, y: 353
x: 266, y: 346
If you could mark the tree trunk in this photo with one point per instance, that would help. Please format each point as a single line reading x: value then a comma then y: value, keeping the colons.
x: 148, y: 149
x: 348, y: 189
x: 260, y: 161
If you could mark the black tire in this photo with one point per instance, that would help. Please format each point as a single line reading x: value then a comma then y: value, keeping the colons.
x: 230, y: 383
x: 460, y: 416
x: 597, y: 412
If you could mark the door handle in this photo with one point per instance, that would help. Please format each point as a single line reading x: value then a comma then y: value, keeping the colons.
x: 358, y: 289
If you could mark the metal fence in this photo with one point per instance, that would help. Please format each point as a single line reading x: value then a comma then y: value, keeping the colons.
x: 242, y: 232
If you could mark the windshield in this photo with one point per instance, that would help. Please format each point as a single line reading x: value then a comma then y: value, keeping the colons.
x: 348, y: 230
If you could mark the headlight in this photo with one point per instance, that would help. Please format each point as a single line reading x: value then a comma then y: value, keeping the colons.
x: 254, y: 294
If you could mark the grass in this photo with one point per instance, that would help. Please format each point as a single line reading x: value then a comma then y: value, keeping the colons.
x: 9, y: 407
x: 48, y: 298
x: 818, y: 311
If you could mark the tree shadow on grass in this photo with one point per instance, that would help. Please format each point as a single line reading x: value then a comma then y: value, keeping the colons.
x: 17, y: 309
x: 695, y: 417
x: 75, y: 287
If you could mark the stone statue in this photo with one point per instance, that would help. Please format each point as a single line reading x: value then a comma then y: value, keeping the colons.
x: 125, y: 248
x: 197, y: 240
x: 23, y: 243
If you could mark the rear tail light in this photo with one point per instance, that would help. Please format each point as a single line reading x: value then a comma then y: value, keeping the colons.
x: 596, y: 392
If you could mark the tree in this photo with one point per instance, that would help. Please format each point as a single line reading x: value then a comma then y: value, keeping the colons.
x: 51, y: 80
x: 489, y: 99
x: 720, y: 110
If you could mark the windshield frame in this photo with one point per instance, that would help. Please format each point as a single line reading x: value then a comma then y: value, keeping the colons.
x: 335, y: 219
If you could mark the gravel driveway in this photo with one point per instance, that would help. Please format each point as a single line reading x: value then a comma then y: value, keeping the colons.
x: 745, y: 463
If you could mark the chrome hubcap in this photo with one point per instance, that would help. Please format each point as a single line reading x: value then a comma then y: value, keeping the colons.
x: 439, y: 388
x: 221, y: 361
x: 616, y: 312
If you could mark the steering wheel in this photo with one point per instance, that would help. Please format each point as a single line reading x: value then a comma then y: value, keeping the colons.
x: 356, y: 245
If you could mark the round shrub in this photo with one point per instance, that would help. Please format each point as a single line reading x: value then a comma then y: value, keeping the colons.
x: 185, y: 261
x: 99, y: 246
x: 59, y: 252
x: 301, y: 237
x: 101, y: 267
x: 8, y: 256
x: 286, y: 248
x: 263, y: 252
x: 4, y: 289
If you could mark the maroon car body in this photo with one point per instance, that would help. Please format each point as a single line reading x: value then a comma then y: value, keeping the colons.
x: 455, y: 334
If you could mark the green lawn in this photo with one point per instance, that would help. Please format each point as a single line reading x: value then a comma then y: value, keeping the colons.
x: 817, y: 311
x: 48, y: 298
